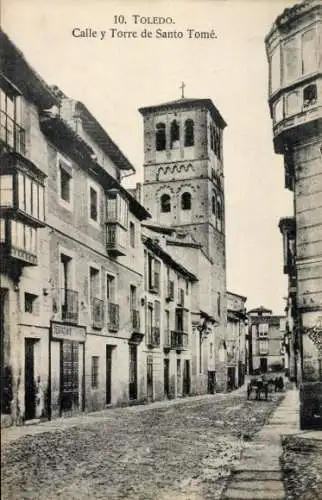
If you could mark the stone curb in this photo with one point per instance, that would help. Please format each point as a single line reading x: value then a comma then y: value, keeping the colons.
x: 259, y: 475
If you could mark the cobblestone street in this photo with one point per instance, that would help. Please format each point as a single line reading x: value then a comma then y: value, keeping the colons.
x: 182, y: 451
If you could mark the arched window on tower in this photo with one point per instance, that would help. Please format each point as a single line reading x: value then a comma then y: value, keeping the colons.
x: 219, y: 214
x: 186, y: 201
x: 212, y: 137
x: 189, y: 138
x: 160, y: 138
x: 165, y: 203
x: 174, y: 135
x: 214, y: 204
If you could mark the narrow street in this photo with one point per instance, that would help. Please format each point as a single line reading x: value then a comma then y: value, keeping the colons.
x: 182, y: 451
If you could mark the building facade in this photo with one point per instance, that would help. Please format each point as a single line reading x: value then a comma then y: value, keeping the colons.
x: 184, y: 189
x: 295, y: 87
x: 168, y: 326
x: 265, y: 341
x: 71, y: 255
x: 237, y: 349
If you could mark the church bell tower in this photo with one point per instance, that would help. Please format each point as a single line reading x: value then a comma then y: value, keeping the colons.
x: 184, y: 186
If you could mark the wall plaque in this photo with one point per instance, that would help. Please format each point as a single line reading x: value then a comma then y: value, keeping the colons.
x: 68, y: 332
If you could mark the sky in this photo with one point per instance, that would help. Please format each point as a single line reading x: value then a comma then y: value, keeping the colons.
x: 116, y: 75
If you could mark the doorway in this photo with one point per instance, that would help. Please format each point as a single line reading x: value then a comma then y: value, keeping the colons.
x: 30, y: 387
x: 263, y: 365
x: 69, y: 376
x: 179, y: 383
x: 149, y: 376
x: 133, y: 372
x: 108, y: 398
x: 186, y: 378
x: 166, y: 378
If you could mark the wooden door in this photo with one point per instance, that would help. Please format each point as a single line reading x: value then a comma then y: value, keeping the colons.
x: 149, y: 377
x: 186, y: 378
x: 133, y: 372
x: 166, y: 378
x: 69, y: 376
x: 108, y: 374
x: 30, y: 389
x: 263, y: 365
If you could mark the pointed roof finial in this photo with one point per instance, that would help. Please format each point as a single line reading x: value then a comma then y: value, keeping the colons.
x: 182, y: 86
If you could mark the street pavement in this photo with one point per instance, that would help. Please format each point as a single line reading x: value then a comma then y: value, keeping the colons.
x: 282, y: 462
x: 181, y: 450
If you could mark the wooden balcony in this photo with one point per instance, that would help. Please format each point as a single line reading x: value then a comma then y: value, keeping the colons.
x: 115, y: 239
x: 18, y: 244
x: 22, y: 190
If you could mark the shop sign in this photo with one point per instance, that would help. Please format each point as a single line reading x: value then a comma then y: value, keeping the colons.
x: 68, y: 332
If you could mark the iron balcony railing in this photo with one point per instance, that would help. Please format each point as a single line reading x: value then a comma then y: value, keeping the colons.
x: 69, y: 305
x: 113, y: 321
x: 135, y: 318
x: 178, y: 339
x: 97, y: 313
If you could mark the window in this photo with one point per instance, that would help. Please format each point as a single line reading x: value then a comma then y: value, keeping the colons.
x: 65, y: 185
x: 165, y: 203
x: 174, y: 135
x: 6, y: 190
x: 189, y: 133
x: 10, y: 120
x: 94, y: 283
x: 95, y: 372
x: 110, y: 287
x: 157, y: 314
x: 179, y: 320
x: 154, y: 267
x: 309, y: 52
x: 219, y: 215
x: 186, y: 201
x: 132, y: 234
x: 214, y: 204
x: 278, y: 110
x: 218, y: 303
x: 263, y: 346
x: 263, y: 329
x: 293, y: 103
x: 30, y: 303
x: 2, y: 230
x: 309, y: 95
x: 65, y: 182
x: 215, y: 140
x: 93, y: 204
x: 275, y: 68
x: 31, y: 196
x: 133, y: 297
x: 292, y: 60
x: 160, y: 137
x: 66, y: 277
x: 23, y: 237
